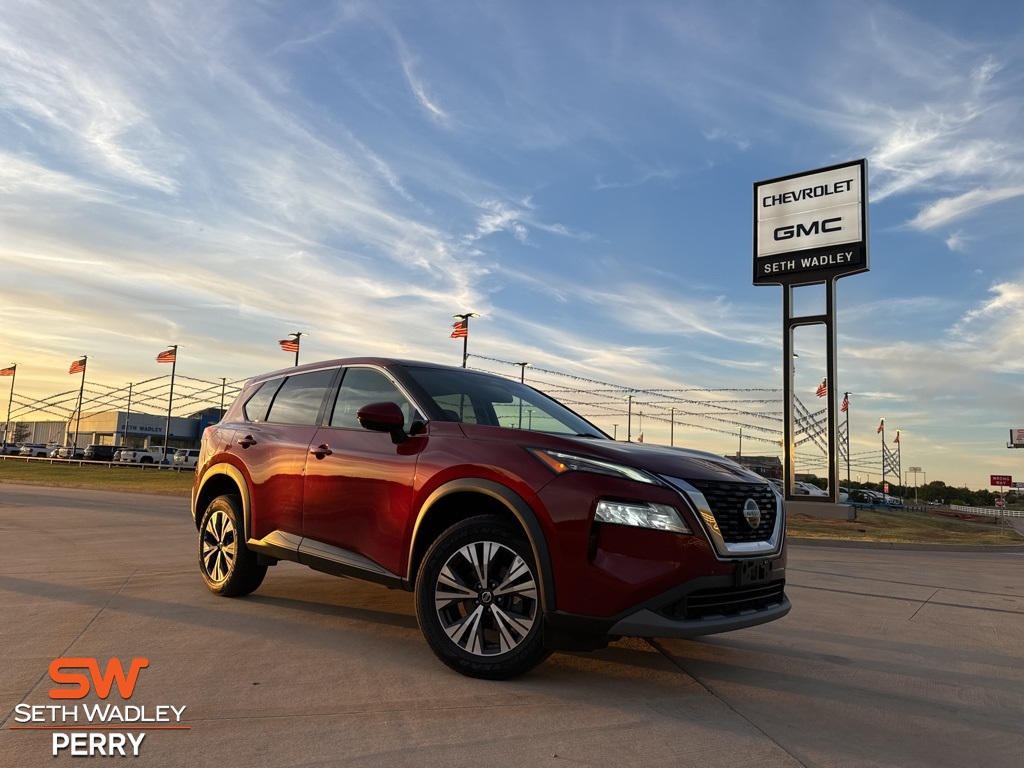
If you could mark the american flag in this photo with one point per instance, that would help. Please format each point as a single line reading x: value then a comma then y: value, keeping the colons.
x: 289, y: 345
x: 846, y: 403
x: 7, y: 371
x: 822, y: 389
x: 167, y: 356
x: 78, y: 366
x: 881, y: 426
x: 897, y: 436
x: 460, y: 329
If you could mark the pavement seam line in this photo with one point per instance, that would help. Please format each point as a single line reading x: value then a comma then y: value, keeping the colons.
x: 924, y: 603
x: 909, y: 599
x: 674, y: 662
x: 77, y: 638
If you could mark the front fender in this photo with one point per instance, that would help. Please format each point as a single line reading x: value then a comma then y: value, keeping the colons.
x: 515, y: 504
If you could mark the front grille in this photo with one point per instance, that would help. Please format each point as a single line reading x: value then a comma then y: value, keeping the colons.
x: 727, y: 500
x: 727, y: 601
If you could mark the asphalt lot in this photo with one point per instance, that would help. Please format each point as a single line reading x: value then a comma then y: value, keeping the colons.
x: 889, y: 658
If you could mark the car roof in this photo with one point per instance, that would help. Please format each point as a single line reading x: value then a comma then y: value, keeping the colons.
x: 386, y: 362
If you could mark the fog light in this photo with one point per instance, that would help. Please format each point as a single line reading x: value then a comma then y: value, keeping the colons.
x: 641, y: 514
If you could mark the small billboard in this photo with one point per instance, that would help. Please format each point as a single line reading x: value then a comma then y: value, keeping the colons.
x: 1017, y: 438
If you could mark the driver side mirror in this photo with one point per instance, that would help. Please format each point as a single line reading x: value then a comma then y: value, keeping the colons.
x: 384, y: 417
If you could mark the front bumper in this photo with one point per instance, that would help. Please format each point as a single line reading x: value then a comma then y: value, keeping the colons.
x: 703, y: 606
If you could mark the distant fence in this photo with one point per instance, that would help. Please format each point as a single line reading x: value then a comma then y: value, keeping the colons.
x: 988, y: 511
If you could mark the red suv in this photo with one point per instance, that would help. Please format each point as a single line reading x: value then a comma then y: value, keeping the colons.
x: 521, y: 527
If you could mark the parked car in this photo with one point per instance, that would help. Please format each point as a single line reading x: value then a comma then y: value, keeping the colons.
x: 517, y: 536
x: 98, y: 452
x: 810, y: 488
x: 11, y: 449
x: 186, y: 457
x: 70, y: 452
x: 55, y: 451
x: 152, y: 455
x: 33, y: 449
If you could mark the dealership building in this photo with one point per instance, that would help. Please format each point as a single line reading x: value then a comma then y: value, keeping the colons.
x: 136, y: 430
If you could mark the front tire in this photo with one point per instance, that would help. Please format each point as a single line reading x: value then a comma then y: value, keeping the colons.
x: 228, y: 567
x: 478, y: 600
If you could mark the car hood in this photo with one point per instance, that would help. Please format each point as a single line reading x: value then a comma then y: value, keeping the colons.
x: 683, y: 463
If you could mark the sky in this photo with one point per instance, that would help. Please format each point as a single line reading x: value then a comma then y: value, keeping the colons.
x: 218, y: 174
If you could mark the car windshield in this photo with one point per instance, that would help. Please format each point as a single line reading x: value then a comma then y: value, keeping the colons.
x: 475, y: 398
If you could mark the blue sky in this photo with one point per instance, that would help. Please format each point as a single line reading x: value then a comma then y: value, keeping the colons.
x: 218, y: 174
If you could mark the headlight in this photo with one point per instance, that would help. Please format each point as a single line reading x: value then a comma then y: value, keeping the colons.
x: 561, y: 463
x: 642, y: 514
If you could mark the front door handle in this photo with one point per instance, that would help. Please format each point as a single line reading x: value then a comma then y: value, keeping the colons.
x: 246, y: 441
x: 321, y: 450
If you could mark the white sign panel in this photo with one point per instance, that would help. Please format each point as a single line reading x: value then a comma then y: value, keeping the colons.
x: 811, y: 226
x: 1017, y: 437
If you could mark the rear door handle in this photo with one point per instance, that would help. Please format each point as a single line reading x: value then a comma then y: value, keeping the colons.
x: 321, y: 450
x: 246, y: 441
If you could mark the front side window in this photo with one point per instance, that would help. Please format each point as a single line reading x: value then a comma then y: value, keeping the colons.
x: 299, y: 399
x: 362, y: 386
x: 470, y: 397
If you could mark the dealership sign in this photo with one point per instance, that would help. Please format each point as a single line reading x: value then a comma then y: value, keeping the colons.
x: 1017, y: 438
x: 811, y: 227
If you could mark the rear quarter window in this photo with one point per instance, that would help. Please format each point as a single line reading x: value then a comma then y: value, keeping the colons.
x: 255, y: 408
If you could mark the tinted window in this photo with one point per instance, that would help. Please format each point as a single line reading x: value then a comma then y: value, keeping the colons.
x: 362, y: 386
x: 472, y: 397
x: 300, y: 397
x: 256, y: 406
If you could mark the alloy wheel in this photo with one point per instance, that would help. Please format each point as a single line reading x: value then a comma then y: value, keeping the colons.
x: 486, y: 598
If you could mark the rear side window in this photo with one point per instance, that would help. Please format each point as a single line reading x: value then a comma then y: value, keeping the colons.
x: 256, y: 406
x: 362, y: 386
x: 299, y: 399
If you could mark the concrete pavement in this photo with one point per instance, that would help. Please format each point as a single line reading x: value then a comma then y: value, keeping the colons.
x: 888, y: 659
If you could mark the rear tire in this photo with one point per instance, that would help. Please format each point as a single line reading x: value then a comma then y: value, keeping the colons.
x: 478, y: 600
x: 228, y: 567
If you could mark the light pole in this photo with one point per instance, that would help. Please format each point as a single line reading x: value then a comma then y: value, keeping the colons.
x: 629, y: 417
x: 223, y: 386
x: 127, y: 415
x: 522, y: 380
x: 615, y: 431
x: 461, y: 329
x: 672, y: 427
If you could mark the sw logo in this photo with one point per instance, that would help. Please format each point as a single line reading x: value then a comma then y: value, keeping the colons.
x: 97, y: 729
x: 101, y: 682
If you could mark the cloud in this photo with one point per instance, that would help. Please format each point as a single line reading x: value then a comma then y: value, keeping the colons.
x: 949, y: 209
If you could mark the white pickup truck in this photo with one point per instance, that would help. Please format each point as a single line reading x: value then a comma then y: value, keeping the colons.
x: 152, y: 455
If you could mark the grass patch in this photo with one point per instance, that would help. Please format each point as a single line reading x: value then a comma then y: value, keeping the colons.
x: 904, y: 526
x: 131, y: 479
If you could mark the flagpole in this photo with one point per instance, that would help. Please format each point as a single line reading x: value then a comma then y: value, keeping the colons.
x: 78, y: 418
x: 464, y: 317
x: 298, y: 343
x: 170, y: 401
x: 10, y: 402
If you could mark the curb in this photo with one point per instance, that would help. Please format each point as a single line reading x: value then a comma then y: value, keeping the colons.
x: 906, y: 546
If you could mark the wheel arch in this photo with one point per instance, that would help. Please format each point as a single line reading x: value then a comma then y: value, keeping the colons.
x: 218, y: 480
x: 450, y: 503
